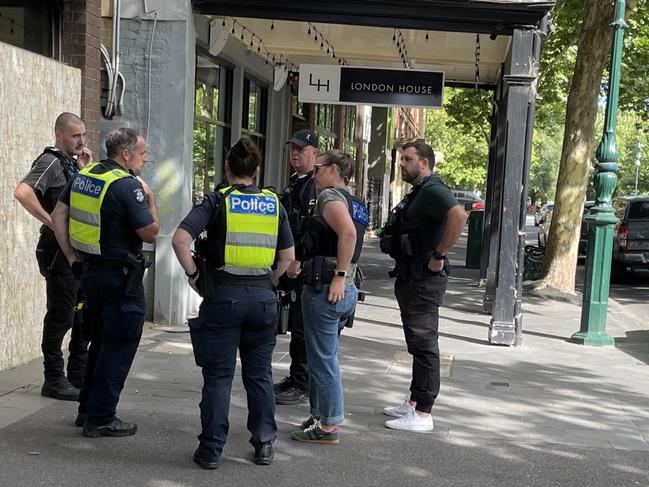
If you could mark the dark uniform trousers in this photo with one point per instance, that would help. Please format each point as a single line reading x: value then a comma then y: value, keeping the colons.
x: 299, y: 369
x: 114, y: 323
x: 62, y: 288
x: 243, y: 317
x: 419, y: 301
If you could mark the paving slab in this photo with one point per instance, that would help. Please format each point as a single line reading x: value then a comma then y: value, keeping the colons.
x: 547, y: 413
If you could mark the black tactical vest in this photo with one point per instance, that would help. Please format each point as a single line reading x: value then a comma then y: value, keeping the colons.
x: 318, y: 238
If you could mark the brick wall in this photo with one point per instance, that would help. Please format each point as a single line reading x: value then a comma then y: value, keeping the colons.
x: 81, y: 33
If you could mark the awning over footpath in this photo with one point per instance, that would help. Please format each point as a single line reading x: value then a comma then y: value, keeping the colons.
x: 455, y: 36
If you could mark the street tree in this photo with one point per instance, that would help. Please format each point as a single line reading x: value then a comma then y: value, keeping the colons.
x: 579, y: 143
x: 459, y: 133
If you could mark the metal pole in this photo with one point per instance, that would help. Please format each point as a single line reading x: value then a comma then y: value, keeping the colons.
x: 601, y: 219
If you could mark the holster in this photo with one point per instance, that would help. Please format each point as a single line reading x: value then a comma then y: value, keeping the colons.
x: 46, y: 251
x: 134, y: 266
x: 312, y: 270
x: 285, y: 299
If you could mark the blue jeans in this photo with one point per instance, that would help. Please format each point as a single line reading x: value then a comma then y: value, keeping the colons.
x: 323, y: 323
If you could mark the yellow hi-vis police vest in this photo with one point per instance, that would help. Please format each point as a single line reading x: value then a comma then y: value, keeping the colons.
x: 86, y: 197
x: 252, y: 224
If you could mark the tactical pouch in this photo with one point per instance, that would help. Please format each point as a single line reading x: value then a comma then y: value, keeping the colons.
x: 135, y: 265
x: 386, y: 243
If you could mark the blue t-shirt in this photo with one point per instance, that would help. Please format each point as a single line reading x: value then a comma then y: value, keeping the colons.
x: 123, y: 211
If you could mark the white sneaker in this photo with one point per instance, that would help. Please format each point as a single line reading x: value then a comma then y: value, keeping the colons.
x: 411, y: 422
x: 400, y: 410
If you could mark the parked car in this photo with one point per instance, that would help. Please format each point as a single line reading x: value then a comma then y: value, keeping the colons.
x: 583, y: 234
x: 631, y: 237
x: 469, y: 199
x: 540, y: 214
x: 544, y: 230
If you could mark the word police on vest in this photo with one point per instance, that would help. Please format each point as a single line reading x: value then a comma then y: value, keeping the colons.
x: 359, y: 213
x: 253, y: 204
x: 88, y: 186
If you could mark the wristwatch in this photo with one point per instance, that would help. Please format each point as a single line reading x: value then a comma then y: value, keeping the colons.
x: 438, y: 256
x: 340, y: 273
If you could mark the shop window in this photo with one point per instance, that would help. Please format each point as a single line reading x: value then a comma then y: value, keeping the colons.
x: 32, y: 25
x: 255, y: 110
x: 325, y: 126
x: 212, y: 125
x: 300, y: 110
x: 349, y: 131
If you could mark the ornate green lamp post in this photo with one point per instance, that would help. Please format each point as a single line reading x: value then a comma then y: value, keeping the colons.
x: 601, y: 219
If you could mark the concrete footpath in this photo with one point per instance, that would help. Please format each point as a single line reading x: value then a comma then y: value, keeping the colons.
x: 547, y: 413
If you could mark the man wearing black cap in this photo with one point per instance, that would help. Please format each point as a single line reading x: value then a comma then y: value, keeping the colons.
x: 298, y: 199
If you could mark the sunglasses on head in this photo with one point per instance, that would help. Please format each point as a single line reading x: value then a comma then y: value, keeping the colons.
x: 318, y: 166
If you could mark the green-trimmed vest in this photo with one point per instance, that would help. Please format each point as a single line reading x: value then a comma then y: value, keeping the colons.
x: 86, y: 197
x: 247, y: 246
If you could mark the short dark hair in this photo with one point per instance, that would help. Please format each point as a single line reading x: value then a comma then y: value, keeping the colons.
x: 424, y: 151
x: 243, y: 158
x: 119, y: 139
x: 339, y: 158
x: 65, y: 118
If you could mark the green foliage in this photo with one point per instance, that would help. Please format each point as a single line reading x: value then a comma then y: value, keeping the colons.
x: 627, y: 139
x: 558, y: 56
x: 634, y: 90
x: 459, y: 134
x: 546, y: 154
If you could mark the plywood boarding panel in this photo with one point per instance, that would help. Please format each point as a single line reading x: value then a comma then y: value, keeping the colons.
x: 33, y: 91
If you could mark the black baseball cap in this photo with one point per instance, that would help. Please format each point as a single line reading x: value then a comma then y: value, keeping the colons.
x: 304, y: 137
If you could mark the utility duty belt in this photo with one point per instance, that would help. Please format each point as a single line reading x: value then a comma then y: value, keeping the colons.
x: 133, y: 266
x: 415, y: 270
x: 318, y: 272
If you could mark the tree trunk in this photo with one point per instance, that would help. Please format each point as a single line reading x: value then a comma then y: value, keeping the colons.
x: 579, y: 143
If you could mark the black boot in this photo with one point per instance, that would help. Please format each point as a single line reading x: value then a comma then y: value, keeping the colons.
x: 60, y: 389
x: 264, y: 454
x: 291, y: 395
x: 116, y: 427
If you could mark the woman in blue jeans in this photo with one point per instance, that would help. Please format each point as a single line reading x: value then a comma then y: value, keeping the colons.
x: 329, y: 296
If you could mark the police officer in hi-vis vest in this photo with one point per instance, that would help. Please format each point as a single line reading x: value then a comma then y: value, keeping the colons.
x: 102, y: 217
x: 249, y: 245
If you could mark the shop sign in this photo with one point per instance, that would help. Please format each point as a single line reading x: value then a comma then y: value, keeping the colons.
x: 320, y: 83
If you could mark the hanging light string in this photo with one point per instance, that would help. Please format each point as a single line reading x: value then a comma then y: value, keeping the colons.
x: 251, y: 39
x: 400, y: 44
x: 325, y: 45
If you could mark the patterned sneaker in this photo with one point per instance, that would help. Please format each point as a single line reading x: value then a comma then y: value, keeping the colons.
x: 400, y: 410
x: 315, y: 434
x: 411, y: 422
x: 307, y: 423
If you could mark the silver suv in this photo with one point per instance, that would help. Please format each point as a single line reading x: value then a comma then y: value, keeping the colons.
x: 631, y: 238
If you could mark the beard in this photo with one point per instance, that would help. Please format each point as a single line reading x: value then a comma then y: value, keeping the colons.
x: 410, y: 177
